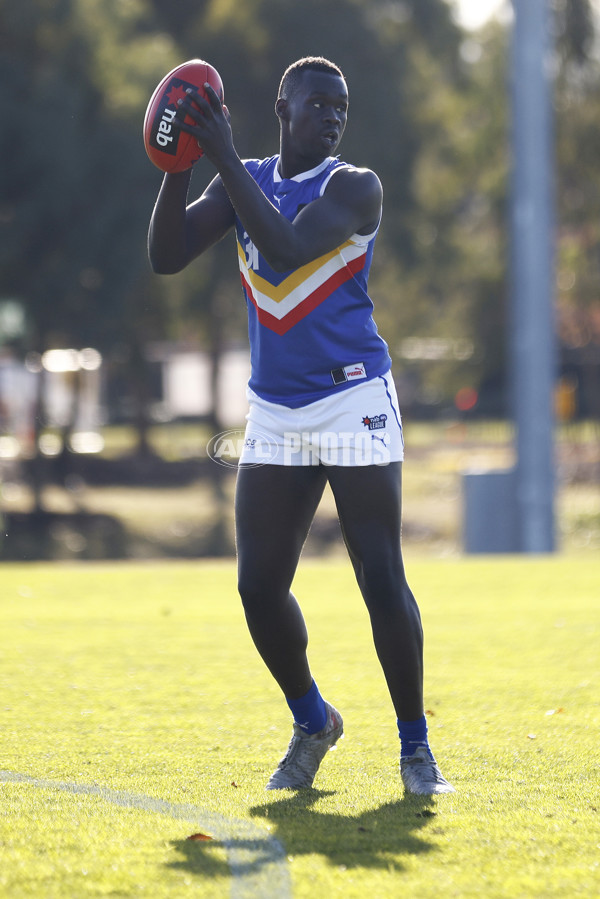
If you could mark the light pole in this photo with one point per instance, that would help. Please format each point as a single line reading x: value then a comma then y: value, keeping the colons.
x: 533, y: 357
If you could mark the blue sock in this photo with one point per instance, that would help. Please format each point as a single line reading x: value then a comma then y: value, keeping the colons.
x: 412, y: 735
x: 309, y: 710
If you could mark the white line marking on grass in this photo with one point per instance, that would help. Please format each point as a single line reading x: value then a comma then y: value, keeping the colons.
x: 256, y: 859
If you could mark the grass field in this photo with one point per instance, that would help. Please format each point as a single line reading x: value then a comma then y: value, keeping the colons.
x: 136, y: 713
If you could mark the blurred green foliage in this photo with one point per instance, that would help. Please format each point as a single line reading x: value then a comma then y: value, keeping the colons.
x: 429, y: 112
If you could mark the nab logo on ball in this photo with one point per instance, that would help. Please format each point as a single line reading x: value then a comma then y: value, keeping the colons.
x: 163, y: 135
x: 169, y: 147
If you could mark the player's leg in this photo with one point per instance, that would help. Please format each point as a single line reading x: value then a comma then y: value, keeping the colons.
x: 275, y: 505
x: 274, y: 508
x: 368, y: 500
x: 369, y: 505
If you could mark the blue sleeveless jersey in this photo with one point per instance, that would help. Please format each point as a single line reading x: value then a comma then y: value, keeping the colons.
x: 311, y: 329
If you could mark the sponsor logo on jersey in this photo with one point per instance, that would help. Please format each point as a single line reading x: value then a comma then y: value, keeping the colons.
x: 356, y: 371
x: 349, y: 373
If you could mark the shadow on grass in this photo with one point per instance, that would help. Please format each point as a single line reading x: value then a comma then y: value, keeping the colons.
x: 199, y: 858
x: 378, y: 838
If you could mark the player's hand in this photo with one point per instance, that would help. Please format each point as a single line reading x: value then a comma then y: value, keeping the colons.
x: 212, y: 122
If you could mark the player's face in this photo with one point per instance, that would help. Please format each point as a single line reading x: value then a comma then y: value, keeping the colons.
x: 316, y: 114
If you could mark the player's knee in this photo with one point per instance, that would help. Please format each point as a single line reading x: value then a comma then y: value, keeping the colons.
x: 249, y: 589
x: 258, y: 592
x: 384, y: 587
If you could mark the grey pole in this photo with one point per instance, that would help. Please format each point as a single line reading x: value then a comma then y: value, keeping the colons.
x: 532, y: 329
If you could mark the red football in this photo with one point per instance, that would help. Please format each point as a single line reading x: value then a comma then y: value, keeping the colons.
x: 170, y: 148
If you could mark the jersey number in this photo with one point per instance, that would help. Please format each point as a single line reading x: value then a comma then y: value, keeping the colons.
x: 251, y: 253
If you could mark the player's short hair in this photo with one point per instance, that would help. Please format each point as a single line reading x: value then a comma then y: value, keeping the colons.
x: 293, y: 74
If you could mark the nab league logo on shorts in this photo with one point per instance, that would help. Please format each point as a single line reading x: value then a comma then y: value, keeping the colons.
x: 375, y: 422
x: 227, y: 448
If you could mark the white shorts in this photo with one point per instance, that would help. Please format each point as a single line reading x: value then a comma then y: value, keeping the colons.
x: 357, y: 426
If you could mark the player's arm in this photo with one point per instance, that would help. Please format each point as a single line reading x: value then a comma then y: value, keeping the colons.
x: 179, y: 233
x: 350, y: 204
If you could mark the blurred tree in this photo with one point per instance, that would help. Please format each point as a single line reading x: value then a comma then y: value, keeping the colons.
x: 74, y: 198
x: 577, y: 102
x: 428, y: 112
x: 453, y: 288
x: 458, y: 281
x: 70, y: 246
x: 574, y: 30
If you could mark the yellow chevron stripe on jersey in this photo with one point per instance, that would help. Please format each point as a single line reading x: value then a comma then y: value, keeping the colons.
x: 279, y: 300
